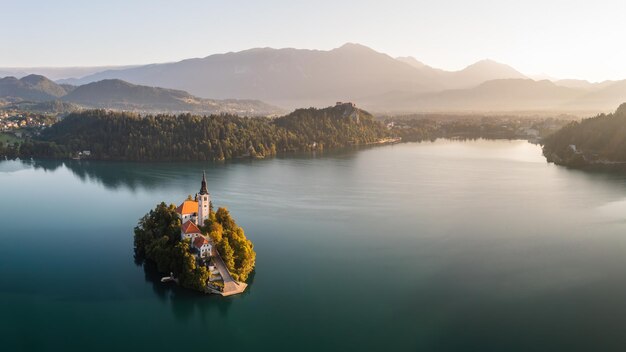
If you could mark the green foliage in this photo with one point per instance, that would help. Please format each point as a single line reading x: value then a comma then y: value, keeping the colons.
x: 236, y: 250
x: 216, y: 232
x: 196, y: 278
x: 8, y: 138
x: 598, y: 140
x: 334, y: 127
x: 244, y: 254
x: 429, y: 127
x: 222, y: 216
x: 128, y: 136
x: 227, y: 253
x: 162, y: 222
x: 157, y: 238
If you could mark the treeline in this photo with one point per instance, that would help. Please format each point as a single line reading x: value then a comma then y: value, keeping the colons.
x: 598, y: 140
x: 488, y: 127
x: 128, y: 136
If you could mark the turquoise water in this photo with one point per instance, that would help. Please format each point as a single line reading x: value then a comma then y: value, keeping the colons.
x: 445, y: 246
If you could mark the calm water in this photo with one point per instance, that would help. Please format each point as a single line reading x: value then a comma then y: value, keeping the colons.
x: 446, y: 246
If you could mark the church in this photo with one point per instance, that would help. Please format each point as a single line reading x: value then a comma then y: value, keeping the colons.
x: 192, y: 214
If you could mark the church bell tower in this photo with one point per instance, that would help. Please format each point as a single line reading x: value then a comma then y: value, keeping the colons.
x: 204, y: 199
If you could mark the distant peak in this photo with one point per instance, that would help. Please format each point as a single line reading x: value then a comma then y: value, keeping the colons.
x: 493, y: 68
x: 34, y: 79
x: 113, y: 81
x: 621, y: 110
x: 486, y: 63
x: 353, y: 46
x: 412, y: 61
x: 34, y: 76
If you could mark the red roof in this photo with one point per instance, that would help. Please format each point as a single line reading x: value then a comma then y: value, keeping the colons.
x: 188, y: 207
x: 189, y: 227
x: 199, y: 241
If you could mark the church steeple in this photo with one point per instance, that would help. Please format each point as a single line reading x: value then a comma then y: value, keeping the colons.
x: 203, y: 189
x: 204, y: 203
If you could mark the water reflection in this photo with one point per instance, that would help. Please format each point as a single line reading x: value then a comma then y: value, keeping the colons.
x: 185, y: 304
x: 153, y: 175
x: 447, y: 246
x: 147, y: 175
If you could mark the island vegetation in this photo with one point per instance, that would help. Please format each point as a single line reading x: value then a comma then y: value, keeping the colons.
x: 597, y: 142
x: 157, y: 239
x: 231, y: 242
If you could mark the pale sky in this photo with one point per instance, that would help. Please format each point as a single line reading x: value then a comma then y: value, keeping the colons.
x: 563, y: 39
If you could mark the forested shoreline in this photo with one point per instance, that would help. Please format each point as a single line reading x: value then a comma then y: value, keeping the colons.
x: 108, y: 135
x: 598, y: 142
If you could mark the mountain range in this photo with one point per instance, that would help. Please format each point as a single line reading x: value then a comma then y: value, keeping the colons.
x: 56, y: 73
x: 293, y: 78
x: 116, y: 94
x: 298, y: 77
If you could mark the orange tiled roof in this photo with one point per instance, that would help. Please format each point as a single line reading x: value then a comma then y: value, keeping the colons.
x: 190, y: 227
x: 188, y: 207
x: 199, y: 241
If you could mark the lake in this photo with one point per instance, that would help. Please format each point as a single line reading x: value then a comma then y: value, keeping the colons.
x: 444, y: 246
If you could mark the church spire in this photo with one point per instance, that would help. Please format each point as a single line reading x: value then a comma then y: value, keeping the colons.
x: 203, y: 189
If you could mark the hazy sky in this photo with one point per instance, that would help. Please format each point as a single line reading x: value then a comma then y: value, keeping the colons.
x: 565, y: 39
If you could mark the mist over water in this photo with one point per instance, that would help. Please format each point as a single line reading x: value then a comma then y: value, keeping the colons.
x: 446, y: 246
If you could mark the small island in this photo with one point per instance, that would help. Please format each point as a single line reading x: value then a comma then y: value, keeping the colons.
x: 200, y: 248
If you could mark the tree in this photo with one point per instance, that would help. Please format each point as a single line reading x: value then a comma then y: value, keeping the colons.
x: 227, y: 253
x: 128, y: 136
x: 196, y: 279
x: 223, y: 217
x: 216, y: 232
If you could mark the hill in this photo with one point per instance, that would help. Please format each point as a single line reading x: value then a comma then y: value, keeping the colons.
x: 333, y: 127
x: 480, y: 72
x: 56, y: 73
x: 298, y: 77
x: 114, y: 93
x: 606, y: 94
x: 119, y: 95
x: 595, y: 142
x: 31, y: 87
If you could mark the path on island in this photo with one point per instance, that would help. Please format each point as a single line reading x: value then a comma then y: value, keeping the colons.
x: 231, y: 286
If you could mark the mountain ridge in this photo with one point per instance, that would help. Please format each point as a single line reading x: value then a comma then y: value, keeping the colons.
x: 117, y: 94
x: 300, y: 77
